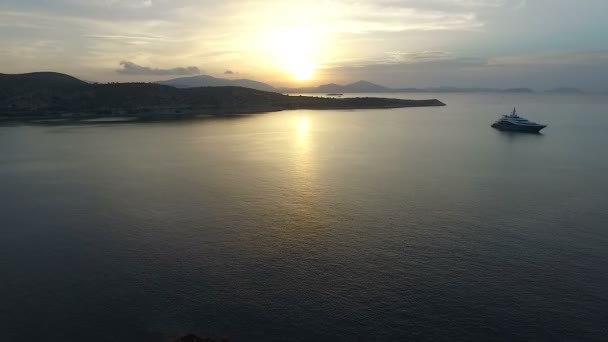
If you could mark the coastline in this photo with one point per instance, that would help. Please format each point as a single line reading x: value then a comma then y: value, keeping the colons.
x: 128, y: 115
x: 53, y: 98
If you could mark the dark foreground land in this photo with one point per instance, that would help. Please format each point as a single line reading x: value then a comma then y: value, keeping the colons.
x: 54, y: 97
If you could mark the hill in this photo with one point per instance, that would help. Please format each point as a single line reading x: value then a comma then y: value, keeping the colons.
x: 357, y: 87
x: 209, y: 81
x: 26, y: 97
x: 19, y: 83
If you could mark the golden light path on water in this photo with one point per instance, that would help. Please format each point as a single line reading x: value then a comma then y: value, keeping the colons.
x: 303, y: 168
x: 305, y: 182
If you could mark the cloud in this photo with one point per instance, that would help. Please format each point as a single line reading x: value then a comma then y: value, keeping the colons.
x: 130, y: 68
x: 421, y: 56
x: 127, y: 37
x: 450, y: 5
x: 230, y: 72
x: 597, y: 57
x: 124, y: 3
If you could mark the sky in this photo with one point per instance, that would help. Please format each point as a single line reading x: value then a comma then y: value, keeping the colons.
x: 540, y: 44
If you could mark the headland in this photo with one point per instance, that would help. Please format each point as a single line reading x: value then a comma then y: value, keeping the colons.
x: 48, y: 97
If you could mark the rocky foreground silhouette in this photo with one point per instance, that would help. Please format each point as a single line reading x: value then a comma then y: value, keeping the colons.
x: 194, y: 338
x: 38, y: 97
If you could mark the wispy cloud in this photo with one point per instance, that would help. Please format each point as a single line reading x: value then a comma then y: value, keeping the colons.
x: 413, y: 57
x: 134, y: 4
x: 130, y: 68
x: 357, y: 16
x: 549, y: 60
x: 130, y: 3
x: 128, y: 37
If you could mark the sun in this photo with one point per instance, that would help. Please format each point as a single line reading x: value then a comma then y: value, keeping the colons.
x: 295, y: 50
x: 301, y: 70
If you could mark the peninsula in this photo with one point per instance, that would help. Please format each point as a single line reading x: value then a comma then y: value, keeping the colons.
x: 55, y: 97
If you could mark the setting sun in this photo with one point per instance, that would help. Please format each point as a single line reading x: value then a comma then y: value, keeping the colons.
x: 301, y: 70
x: 294, y: 50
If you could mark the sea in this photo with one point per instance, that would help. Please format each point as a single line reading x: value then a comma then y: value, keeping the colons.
x: 409, y: 224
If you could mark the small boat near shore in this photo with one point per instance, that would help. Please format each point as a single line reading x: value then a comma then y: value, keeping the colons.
x: 334, y: 94
x: 514, y: 123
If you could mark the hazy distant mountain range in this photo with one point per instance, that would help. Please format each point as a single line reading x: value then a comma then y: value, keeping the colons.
x: 356, y: 87
x: 368, y: 87
x: 565, y: 90
x: 210, y: 81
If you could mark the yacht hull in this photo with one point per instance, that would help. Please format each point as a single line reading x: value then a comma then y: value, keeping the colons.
x: 507, y: 126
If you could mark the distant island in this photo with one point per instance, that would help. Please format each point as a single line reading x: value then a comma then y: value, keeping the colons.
x: 55, y: 97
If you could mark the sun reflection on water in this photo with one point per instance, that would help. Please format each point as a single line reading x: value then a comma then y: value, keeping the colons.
x: 305, y: 187
x: 303, y: 130
x: 302, y: 153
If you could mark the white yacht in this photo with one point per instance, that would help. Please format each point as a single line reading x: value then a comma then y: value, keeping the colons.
x: 514, y: 122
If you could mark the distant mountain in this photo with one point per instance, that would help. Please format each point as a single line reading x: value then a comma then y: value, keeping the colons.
x: 328, y: 88
x: 565, y: 90
x: 357, y: 87
x: 368, y: 87
x: 445, y: 89
x: 518, y: 90
x: 364, y: 87
x: 210, y: 81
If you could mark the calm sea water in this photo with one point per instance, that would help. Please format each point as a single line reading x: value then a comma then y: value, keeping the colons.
x: 419, y: 224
